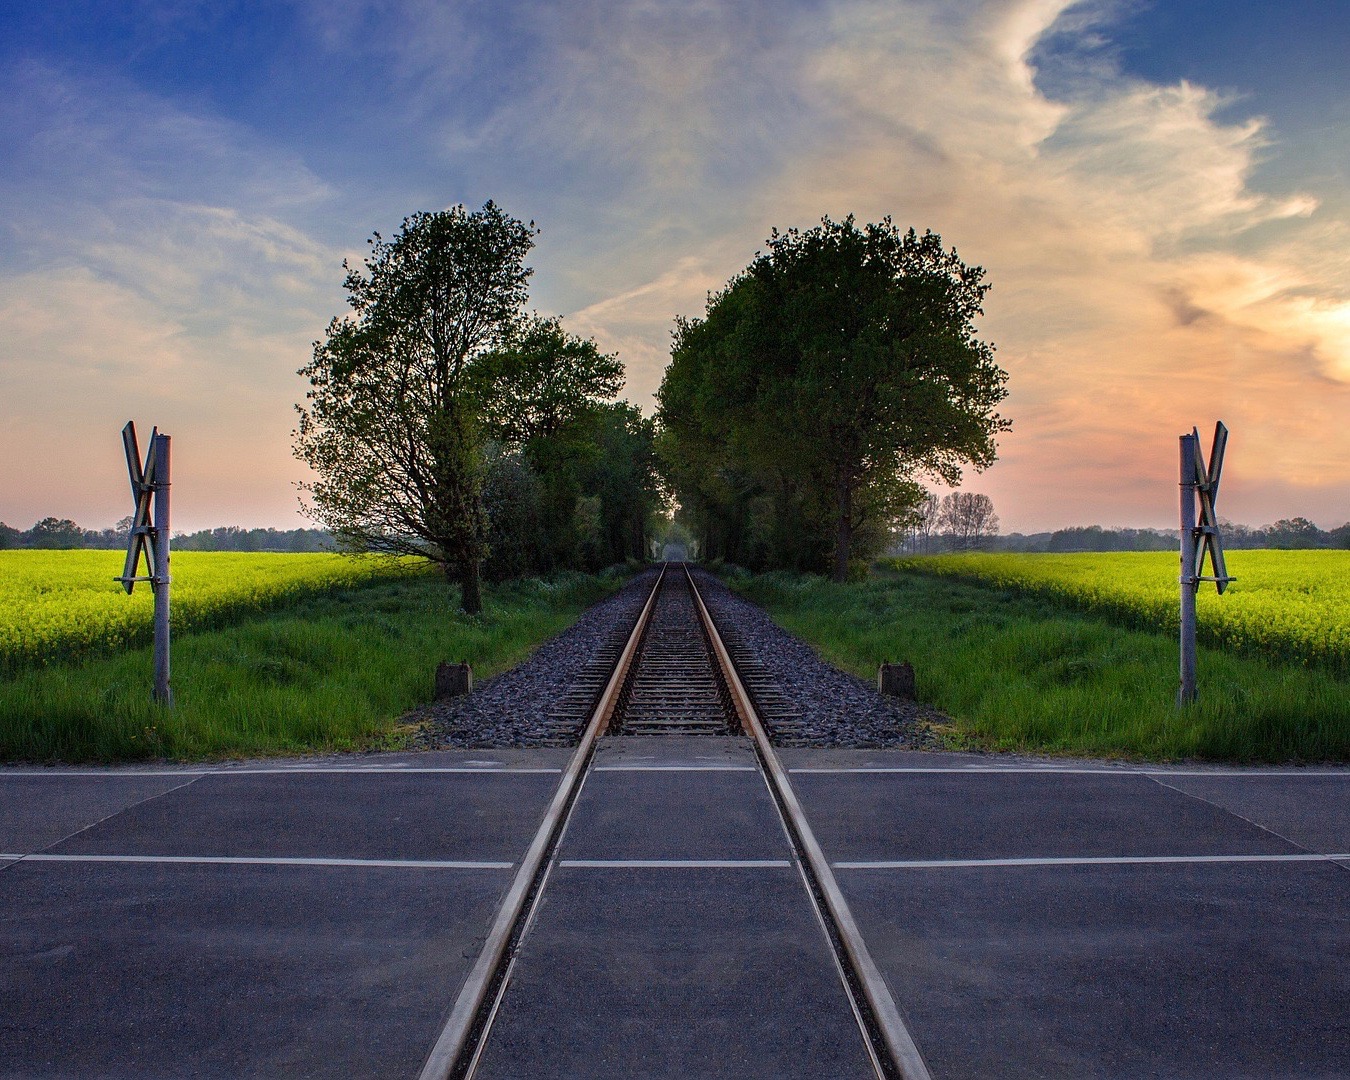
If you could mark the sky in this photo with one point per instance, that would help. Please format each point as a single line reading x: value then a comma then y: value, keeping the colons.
x: 1159, y: 193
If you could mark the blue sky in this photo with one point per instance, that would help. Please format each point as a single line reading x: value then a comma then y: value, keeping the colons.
x: 1160, y: 193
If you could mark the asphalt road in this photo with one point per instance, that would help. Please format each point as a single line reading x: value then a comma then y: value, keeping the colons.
x: 1093, y: 921
x: 317, y: 919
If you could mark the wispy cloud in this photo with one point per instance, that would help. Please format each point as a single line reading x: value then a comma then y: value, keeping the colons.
x: 1143, y: 280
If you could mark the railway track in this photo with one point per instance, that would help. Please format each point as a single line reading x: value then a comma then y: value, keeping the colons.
x: 674, y: 676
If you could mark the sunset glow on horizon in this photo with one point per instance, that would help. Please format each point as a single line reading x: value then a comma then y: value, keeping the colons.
x: 1159, y: 193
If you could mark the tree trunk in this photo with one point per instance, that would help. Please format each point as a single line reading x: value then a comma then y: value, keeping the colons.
x: 844, y: 537
x: 471, y: 593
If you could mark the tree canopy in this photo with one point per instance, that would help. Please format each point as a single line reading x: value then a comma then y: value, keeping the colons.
x: 821, y: 383
x: 391, y: 424
x: 442, y: 420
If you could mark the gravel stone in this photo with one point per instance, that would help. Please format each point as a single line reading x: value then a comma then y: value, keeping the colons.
x: 512, y: 709
x: 838, y: 709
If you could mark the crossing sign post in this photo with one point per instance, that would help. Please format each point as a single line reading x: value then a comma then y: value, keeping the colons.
x: 150, y: 537
x: 1199, y: 483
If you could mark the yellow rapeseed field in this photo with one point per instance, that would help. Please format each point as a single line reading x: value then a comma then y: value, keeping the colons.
x: 1294, y: 605
x: 55, y: 604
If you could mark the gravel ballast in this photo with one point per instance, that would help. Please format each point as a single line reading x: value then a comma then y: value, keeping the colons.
x: 513, y: 709
x: 838, y: 709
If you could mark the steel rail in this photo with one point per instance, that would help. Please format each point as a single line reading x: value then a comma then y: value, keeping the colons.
x: 900, y: 1050
x: 452, y: 1055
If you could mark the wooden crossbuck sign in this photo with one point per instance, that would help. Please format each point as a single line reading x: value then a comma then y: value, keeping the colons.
x: 1198, y: 481
x: 150, y: 492
x: 1207, y: 539
x: 142, y: 537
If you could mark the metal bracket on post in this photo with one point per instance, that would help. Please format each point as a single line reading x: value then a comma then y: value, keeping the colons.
x: 150, y: 491
x: 1198, y: 481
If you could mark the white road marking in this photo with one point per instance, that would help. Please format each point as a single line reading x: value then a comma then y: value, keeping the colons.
x: 1053, y: 770
x: 360, y: 770
x: 1121, y: 860
x: 674, y: 768
x: 232, y: 860
x: 672, y: 864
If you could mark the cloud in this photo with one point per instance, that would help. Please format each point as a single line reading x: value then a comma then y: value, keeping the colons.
x: 1143, y: 282
x: 153, y: 276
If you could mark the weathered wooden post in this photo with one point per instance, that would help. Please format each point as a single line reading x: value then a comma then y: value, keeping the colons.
x: 150, y: 488
x: 1202, y: 481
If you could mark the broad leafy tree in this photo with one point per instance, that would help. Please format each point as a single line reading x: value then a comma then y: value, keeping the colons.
x: 392, y: 425
x: 831, y: 374
x: 545, y: 396
x: 967, y: 519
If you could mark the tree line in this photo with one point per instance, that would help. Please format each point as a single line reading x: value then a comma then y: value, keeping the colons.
x: 60, y: 533
x: 798, y: 420
x: 800, y: 414
x: 937, y: 534
x: 445, y: 420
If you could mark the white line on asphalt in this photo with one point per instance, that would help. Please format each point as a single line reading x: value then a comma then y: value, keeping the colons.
x: 231, y: 860
x: 1052, y: 770
x: 1122, y: 860
x: 113, y: 774
x: 674, y: 768
x: 671, y: 864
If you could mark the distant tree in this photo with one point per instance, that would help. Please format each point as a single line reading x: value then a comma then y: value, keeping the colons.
x: 837, y: 367
x: 1296, y: 532
x: 922, y: 522
x: 392, y: 427
x: 512, y: 502
x: 542, y: 395
x: 1339, y: 537
x: 9, y: 537
x: 967, y: 519
x: 622, y: 474
x: 54, y: 533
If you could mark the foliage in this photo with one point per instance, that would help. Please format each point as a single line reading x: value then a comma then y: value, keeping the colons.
x: 1021, y: 672
x: 838, y: 367
x: 1286, y: 605
x: 512, y: 499
x: 547, y: 399
x: 391, y: 425
x: 60, y: 604
x: 967, y: 519
x: 223, y: 538
x: 543, y: 383
x: 325, y: 672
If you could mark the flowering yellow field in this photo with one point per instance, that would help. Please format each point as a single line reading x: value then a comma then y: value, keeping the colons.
x: 61, y: 603
x: 1290, y: 604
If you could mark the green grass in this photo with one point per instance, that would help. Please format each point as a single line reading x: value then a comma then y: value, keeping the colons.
x: 1027, y: 673
x: 326, y: 672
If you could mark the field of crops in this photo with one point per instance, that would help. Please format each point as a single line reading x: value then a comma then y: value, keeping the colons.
x: 1291, y: 605
x: 58, y: 604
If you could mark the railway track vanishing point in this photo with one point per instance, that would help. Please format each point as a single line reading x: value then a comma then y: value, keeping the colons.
x: 674, y: 675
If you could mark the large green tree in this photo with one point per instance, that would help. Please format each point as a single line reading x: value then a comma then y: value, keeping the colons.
x: 827, y: 377
x: 543, y: 394
x: 392, y: 425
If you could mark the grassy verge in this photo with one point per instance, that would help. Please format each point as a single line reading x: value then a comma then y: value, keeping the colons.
x: 1019, y: 672
x: 327, y: 672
